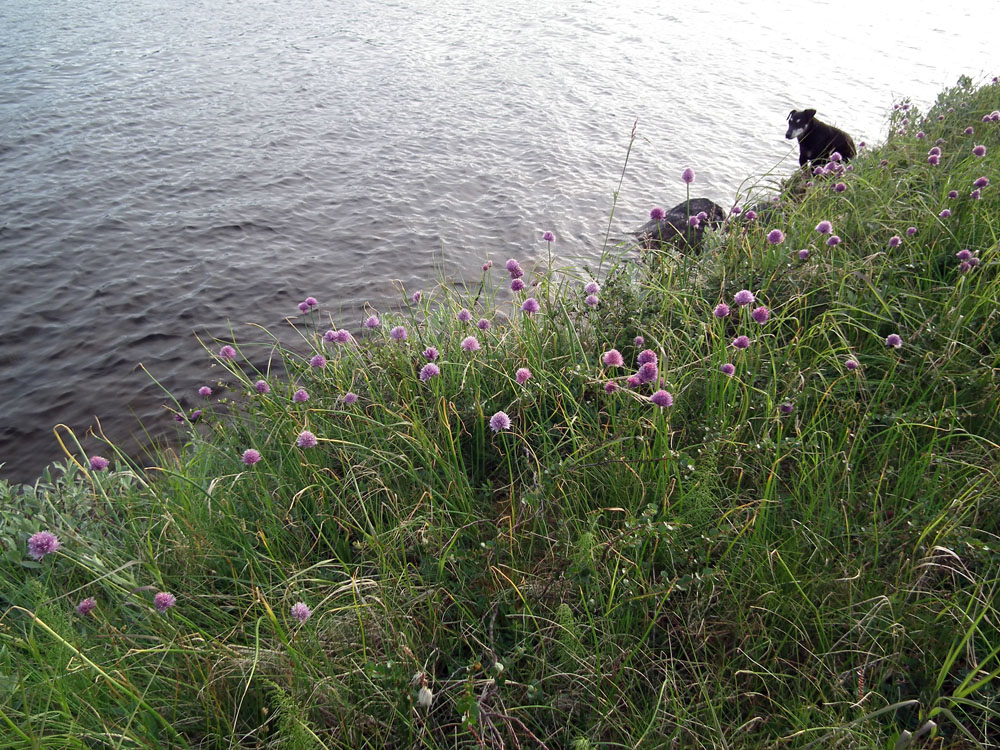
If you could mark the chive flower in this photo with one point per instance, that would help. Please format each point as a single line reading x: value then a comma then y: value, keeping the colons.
x: 647, y: 356
x: 910, y: 231
x: 743, y: 297
x: 86, y: 606
x: 721, y: 310
x: 833, y: 241
x: 741, y: 342
x: 893, y: 340
x: 300, y: 395
x: 775, y: 237
x: 227, y: 352
x: 42, y: 543
x: 483, y: 324
x: 638, y: 341
x: 839, y: 187
x: 761, y: 314
x: 372, y: 321
x: 530, y: 306
x: 952, y: 194
x: 429, y: 371
x: 688, y: 175
x: 522, y: 376
x: 251, y: 456
x: 592, y: 300
x: 311, y: 301
x: 516, y: 285
x: 549, y: 237
x: 895, y: 240
x: 164, y: 601
x: 851, y: 365
x: 430, y: 353
x: 98, y: 463
x: 648, y: 373
x: 306, y: 439
x: 727, y: 369
x: 979, y: 151
x: 398, y: 334
x: 610, y: 387
x: 592, y: 288
x: 945, y: 214
x: 317, y: 360
x: 803, y: 255
x: 205, y: 391
x: 301, y: 612
x: 470, y: 344
x: 662, y: 399
x: 933, y: 159
x: 499, y: 421
x: 981, y: 182
x: 613, y: 358
x: 349, y: 398
x: 262, y: 387
x: 786, y: 408
x: 464, y: 315
x: 657, y: 214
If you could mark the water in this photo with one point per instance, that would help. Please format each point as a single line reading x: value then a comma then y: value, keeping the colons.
x: 167, y: 169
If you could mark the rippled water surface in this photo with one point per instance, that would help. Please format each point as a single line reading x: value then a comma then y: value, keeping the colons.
x: 169, y: 168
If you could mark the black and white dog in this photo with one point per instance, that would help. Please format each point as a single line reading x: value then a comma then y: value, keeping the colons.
x: 817, y: 140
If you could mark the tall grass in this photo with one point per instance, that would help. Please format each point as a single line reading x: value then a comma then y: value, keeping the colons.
x: 800, y: 554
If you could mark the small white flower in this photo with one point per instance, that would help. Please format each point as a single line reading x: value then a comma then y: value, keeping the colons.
x: 425, y: 697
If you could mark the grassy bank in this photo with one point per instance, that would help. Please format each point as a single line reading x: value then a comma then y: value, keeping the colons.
x: 482, y: 535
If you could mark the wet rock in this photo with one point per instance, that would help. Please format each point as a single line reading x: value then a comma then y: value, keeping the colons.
x: 674, y: 229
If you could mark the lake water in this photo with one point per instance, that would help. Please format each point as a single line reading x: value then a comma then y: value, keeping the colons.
x: 169, y: 168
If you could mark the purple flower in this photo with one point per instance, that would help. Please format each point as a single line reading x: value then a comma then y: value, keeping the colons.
x: 195, y: 416
x: 311, y: 301
x: 750, y: 215
x: 512, y: 265
x: 975, y: 194
x: 98, y: 463
x: 933, y: 159
x: 530, y: 306
x: 592, y: 288
x: 693, y: 221
x: 835, y: 156
x: 592, y: 300
x: 464, y: 315
x: 522, y: 375
x: 969, y: 130
x: 893, y: 340
x: 646, y: 356
x: 945, y: 214
x: 963, y: 254
x: 610, y: 387
x: 979, y: 151
x: 839, y: 187
x: 470, y: 344
x: 633, y: 381
x: 786, y: 408
x: 662, y: 399
x: 301, y: 612
x: 895, y: 240
x: 349, y: 398
x: 721, y: 310
x: 833, y: 241
x: 549, y: 237
x: 851, y: 365
x: 483, y: 324
x: 303, y: 307
x: 761, y: 314
x: 688, y: 175
x: 205, y: 391
x: 935, y: 151
x: 727, y: 369
x: 429, y: 371
x: 775, y: 236
x: 488, y: 265
x: 42, y: 543
x: 741, y: 342
x: 261, y: 386
x: 372, y: 321
x: 737, y: 210
x: 317, y: 360
x: 86, y: 606
x: 430, y: 353
x: 416, y: 296
x: 981, y: 182
x: 648, y: 372
x: 499, y: 421
x: 164, y: 601
x: 953, y: 194
x: 743, y: 297
x: 516, y: 285
x: 803, y: 255
x: 911, y: 231
x: 340, y: 336
x: 251, y: 456
x: 300, y: 395
x: 702, y: 216
x: 227, y: 352
x: 398, y: 333
x: 657, y: 214
x: 306, y: 439
x: 964, y: 266
x: 638, y: 341
x: 613, y: 358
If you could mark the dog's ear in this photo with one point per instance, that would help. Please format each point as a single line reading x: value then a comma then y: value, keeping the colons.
x: 791, y: 115
x: 809, y: 113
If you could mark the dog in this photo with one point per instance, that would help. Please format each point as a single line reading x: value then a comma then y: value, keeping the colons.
x: 817, y: 140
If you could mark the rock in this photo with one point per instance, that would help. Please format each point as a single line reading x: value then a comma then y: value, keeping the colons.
x: 674, y: 229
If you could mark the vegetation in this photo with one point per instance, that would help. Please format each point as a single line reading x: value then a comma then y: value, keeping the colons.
x: 800, y: 554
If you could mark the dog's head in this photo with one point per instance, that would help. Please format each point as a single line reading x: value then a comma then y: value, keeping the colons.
x: 799, y: 122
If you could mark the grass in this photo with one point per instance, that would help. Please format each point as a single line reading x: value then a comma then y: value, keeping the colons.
x: 719, y: 573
